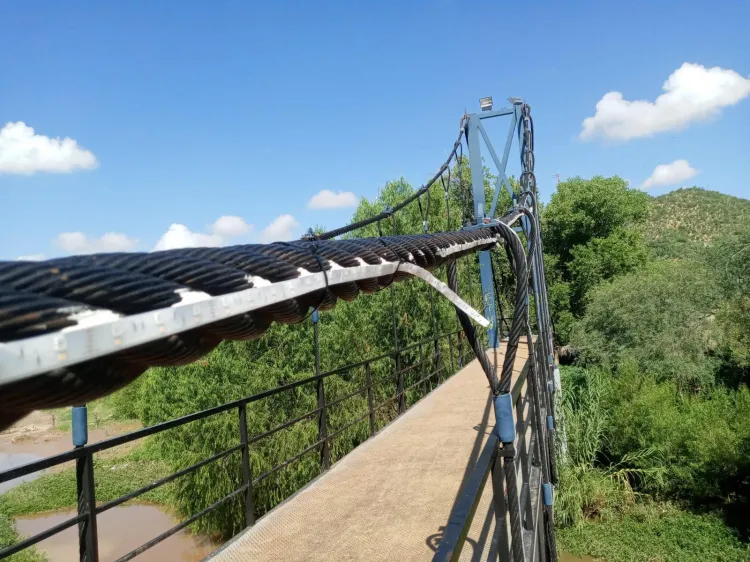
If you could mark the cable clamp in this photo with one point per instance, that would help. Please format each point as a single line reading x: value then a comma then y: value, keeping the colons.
x: 506, y: 426
x: 548, y: 494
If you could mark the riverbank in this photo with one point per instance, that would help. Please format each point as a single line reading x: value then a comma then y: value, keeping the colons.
x: 40, y: 501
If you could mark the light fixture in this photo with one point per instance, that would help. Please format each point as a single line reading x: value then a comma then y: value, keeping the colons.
x: 515, y: 101
x: 486, y: 103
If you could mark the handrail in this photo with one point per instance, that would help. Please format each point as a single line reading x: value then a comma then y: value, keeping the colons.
x: 85, y: 453
x: 490, y: 463
x: 80, y: 452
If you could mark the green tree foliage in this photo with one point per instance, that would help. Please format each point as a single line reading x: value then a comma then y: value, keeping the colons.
x: 593, y: 230
x: 683, y: 221
x: 592, y: 487
x: 729, y: 258
x: 651, y: 533
x: 583, y: 210
x: 622, y: 251
x: 703, y: 439
x: 660, y: 316
x: 664, y: 339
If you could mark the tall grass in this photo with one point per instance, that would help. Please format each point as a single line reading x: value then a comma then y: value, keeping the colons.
x: 591, y: 486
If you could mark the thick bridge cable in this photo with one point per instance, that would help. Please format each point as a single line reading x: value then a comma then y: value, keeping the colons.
x: 77, y: 328
x: 388, y: 212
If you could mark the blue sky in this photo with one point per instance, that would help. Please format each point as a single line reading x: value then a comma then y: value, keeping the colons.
x: 184, y: 112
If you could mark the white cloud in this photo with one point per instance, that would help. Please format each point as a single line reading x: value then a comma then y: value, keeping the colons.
x: 180, y: 236
x: 229, y: 226
x: 327, y: 199
x: 280, y: 229
x: 79, y: 243
x: 691, y: 93
x: 32, y: 257
x: 670, y: 174
x: 224, y: 228
x: 24, y: 152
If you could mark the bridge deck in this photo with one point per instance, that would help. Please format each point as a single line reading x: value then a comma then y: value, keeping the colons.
x: 391, y: 497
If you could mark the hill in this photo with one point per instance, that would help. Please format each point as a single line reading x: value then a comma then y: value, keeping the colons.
x: 685, y: 219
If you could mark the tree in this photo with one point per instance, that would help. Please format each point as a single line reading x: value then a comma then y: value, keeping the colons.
x: 660, y: 317
x: 592, y: 229
x: 582, y: 210
x: 729, y: 258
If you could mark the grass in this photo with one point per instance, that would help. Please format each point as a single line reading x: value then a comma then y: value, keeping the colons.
x: 115, y: 476
x: 655, y: 533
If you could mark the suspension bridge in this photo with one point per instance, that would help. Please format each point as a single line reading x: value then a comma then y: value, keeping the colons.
x: 78, y: 328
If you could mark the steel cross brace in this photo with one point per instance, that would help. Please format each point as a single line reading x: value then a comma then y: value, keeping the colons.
x: 473, y: 130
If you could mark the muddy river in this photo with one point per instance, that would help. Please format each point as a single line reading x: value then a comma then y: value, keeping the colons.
x: 120, y: 530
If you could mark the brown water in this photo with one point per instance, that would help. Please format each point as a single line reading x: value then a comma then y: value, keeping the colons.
x: 120, y: 530
x: 35, y: 437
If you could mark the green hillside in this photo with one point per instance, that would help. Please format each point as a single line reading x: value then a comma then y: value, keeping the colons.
x: 681, y: 220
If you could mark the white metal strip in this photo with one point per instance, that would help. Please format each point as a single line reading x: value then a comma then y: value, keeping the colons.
x: 110, y: 333
x: 444, y: 290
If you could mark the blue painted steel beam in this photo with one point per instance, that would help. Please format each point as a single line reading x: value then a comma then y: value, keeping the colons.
x: 501, y: 165
x: 485, y: 266
x: 496, y: 113
x: 474, y: 129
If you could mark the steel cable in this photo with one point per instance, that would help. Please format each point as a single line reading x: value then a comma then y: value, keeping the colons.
x: 39, y: 298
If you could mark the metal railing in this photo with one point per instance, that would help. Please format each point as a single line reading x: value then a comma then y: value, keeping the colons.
x: 532, y: 504
x: 407, y: 376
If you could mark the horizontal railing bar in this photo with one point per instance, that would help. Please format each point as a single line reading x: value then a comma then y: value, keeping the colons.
x: 39, y: 537
x: 145, y: 432
x: 122, y: 499
x: 389, y: 354
x: 166, y: 534
x: 80, y: 452
x: 288, y: 462
x: 420, y: 381
x: 386, y: 401
x: 466, y: 504
x: 350, y: 395
x: 347, y: 426
x: 394, y: 375
x: 284, y: 425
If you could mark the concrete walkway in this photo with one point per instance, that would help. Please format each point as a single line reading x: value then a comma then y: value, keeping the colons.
x: 391, y: 497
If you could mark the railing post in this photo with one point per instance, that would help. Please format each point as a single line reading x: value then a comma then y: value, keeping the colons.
x: 325, y: 451
x: 438, y: 362
x: 88, y: 545
x: 400, y: 385
x: 370, y: 404
x: 460, y: 350
x: 246, y: 480
x: 421, y: 370
x: 450, y: 354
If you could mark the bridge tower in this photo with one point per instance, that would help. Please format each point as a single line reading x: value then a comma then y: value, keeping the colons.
x: 473, y: 130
